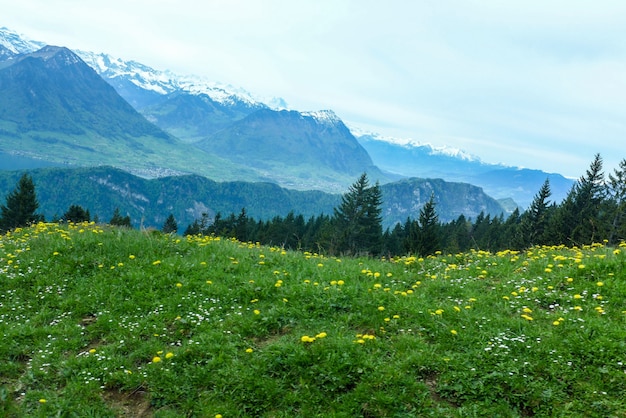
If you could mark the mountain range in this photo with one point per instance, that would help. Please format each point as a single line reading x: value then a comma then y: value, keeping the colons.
x: 73, y: 109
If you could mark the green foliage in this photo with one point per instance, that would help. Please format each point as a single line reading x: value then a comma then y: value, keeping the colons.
x: 77, y: 214
x: 357, y: 220
x: 118, y: 220
x: 21, y: 205
x: 104, y: 321
x: 170, y: 225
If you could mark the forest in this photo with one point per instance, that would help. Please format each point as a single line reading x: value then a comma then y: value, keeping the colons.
x: 592, y: 211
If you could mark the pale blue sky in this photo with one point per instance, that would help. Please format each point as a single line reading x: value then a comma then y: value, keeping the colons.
x: 538, y: 84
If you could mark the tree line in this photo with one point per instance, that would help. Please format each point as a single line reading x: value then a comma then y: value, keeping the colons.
x: 593, y: 211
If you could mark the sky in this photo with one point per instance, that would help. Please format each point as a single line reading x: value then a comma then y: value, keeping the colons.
x: 538, y: 84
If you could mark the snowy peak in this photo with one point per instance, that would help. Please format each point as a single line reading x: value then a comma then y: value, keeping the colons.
x: 326, y: 117
x: 412, y: 145
x: 16, y: 43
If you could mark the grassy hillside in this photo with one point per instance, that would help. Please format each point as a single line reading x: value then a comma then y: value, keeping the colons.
x: 106, y: 322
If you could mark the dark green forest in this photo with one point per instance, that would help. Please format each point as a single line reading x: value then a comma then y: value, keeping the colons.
x: 593, y: 211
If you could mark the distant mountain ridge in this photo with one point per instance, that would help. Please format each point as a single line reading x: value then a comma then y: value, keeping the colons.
x: 149, y: 201
x: 497, y: 180
x: 226, y: 134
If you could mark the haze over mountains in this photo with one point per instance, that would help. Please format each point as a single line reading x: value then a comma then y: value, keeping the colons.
x: 73, y: 108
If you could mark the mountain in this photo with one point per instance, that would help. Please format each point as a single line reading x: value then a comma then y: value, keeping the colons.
x: 295, y: 149
x: 148, y: 202
x: 405, y: 198
x: 498, y: 181
x: 305, y: 148
x: 57, y: 109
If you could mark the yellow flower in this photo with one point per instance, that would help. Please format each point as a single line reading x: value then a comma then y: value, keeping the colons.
x: 156, y: 263
x: 256, y: 312
x: 600, y: 284
x: 156, y: 359
x: 381, y: 308
x: 453, y: 332
x: 321, y: 335
x: 179, y: 285
x: 132, y: 257
x: 93, y: 350
x: 42, y: 400
x: 169, y: 355
x: 249, y: 350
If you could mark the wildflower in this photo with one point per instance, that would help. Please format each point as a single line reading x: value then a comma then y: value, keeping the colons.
x: 42, y: 400
x: 307, y: 339
x: 249, y: 350
x: 555, y: 323
x: 179, y: 285
x: 156, y: 359
x: 341, y: 282
x: 456, y: 308
x: 439, y: 311
x: 600, y: 284
x: 527, y: 317
x: 381, y: 308
x: 93, y: 350
x: 527, y: 310
x: 321, y: 335
x: 132, y: 257
x: 156, y: 263
x: 453, y: 332
x: 169, y: 355
x: 256, y: 312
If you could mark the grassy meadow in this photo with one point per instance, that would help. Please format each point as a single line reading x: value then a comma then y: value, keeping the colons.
x: 97, y: 321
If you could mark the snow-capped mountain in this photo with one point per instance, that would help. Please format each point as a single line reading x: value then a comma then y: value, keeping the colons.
x: 144, y: 77
x: 410, y: 144
x: 18, y: 44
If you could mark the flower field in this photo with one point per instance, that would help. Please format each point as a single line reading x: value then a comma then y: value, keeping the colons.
x: 98, y: 321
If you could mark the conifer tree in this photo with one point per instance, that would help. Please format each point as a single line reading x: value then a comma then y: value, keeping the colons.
x: 357, y: 221
x: 535, y: 219
x: 617, y: 209
x: 428, y: 239
x: 20, y: 206
x: 119, y: 220
x: 76, y: 213
x: 170, y: 225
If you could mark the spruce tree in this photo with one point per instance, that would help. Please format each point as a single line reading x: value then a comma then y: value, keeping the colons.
x: 76, y: 213
x: 535, y: 220
x: 428, y: 239
x: 170, y: 225
x: 617, y: 206
x: 20, y: 206
x: 118, y: 220
x: 357, y: 221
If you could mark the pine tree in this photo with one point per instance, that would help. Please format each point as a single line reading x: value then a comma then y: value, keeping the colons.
x: 617, y: 194
x: 170, y: 225
x: 534, y: 221
x: 20, y: 206
x: 76, y: 213
x: 118, y: 220
x: 428, y: 239
x: 357, y: 221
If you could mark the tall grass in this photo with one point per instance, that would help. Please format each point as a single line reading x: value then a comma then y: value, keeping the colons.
x: 103, y: 322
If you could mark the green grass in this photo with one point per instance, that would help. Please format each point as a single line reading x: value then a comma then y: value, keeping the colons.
x: 104, y: 322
